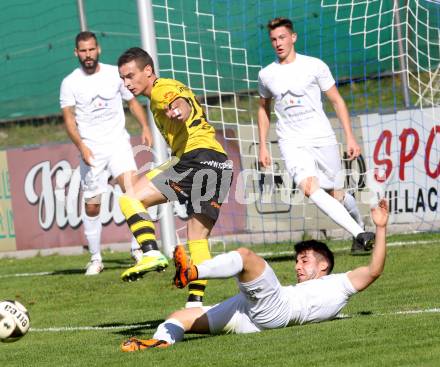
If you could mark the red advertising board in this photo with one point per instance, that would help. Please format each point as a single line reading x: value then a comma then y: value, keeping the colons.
x: 47, y: 205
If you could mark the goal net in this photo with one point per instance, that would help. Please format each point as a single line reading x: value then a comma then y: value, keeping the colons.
x: 385, y: 58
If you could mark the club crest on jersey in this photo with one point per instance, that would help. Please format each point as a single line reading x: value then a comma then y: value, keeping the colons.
x: 291, y: 100
x: 99, y: 102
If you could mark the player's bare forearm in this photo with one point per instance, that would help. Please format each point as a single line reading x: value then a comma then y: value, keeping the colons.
x: 363, y: 276
x: 341, y: 111
x: 263, y: 130
x: 378, y: 255
x: 72, y: 131
x: 138, y: 112
x: 353, y: 148
x: 263, y: 120
x: 70, y: 125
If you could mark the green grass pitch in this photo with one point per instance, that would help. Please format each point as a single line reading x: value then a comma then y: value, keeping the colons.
x: 81, y: 321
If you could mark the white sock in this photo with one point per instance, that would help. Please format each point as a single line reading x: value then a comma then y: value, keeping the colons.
x: 221, y: 266
x: 92, y: 231
x: 336, y: 211
x: 349, y: 203
x: 134, y: 244
x: 170, y: 330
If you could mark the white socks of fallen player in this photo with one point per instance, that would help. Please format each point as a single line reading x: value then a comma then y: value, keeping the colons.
x: 92, y: 231
x: 349, y: 203
x: 170, y: 330
x: 221, y: 266
x: 336, y: 211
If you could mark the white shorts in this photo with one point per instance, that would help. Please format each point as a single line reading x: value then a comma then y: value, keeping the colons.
x: 321, y: 162
x: 108, y: 161
x: 261, y: 304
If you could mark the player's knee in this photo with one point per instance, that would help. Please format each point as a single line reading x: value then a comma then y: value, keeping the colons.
x: 309, y: 185
x: 247, y: 255
x: 337, y: 194
x: 92, y: 210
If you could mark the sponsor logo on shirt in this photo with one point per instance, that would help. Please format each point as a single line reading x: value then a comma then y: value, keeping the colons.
x: 99, y: 103
x: 291, y: 100
x: 252, y: 293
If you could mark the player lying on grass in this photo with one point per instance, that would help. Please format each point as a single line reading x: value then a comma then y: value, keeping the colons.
x: 262, y: 302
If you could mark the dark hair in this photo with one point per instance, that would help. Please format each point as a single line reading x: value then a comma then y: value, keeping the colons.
x: 84, y: 36
x: 140, y: 56
x: 280, y: 22
x: 319, y: 247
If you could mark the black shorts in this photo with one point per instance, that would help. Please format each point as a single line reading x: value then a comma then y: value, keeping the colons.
x: 200, y: 179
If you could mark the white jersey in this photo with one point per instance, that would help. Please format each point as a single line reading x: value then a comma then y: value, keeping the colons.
x: 296, y: 89
x: 264, y: 304
x: 318, y: 299
x: 97, y: 99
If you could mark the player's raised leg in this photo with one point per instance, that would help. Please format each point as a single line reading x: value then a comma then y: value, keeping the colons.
x: 336, y: 211
x: 242, y: 262
x: 362, y: 244
x: 142, y: 227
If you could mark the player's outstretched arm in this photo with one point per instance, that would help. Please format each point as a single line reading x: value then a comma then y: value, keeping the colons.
x: 363, y: 276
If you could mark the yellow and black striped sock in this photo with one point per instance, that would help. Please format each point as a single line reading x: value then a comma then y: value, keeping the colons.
x: 138, y: 222
x: 199, y: 251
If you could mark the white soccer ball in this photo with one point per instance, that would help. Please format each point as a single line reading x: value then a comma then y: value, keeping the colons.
x: 14, y: 321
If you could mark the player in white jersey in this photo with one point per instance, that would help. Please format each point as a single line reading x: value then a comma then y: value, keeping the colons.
x: 91, y: 100
x: 306, y: 138
x: 262, y: 302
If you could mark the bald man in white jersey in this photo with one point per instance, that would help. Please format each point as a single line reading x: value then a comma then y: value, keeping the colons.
x: 306, y: 138
x: 262, y: 302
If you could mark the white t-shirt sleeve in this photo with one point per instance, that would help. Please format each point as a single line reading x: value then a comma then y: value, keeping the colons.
x: 347, y: 286
x: 67, y: 98
x: 262, y: 89
x: 324, y: 76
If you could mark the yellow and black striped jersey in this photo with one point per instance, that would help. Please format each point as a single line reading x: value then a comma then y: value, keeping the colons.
x: 182, y: 137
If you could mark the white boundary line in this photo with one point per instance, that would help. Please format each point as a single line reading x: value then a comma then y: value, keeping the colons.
x: 27, y: 274
x: 390, y: 244
x: 281, y: 253
x: 88, y: 328
x: 128, y: 327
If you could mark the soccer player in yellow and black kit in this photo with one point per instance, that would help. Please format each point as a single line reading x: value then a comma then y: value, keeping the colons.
x: 199, y: 173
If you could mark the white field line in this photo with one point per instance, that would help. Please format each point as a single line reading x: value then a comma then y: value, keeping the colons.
x: 390, y: 244
x: 27, y: 274
x: 87, y: 328
x: 282, y: 253
x: 127, y: 327
x: 407, y: 312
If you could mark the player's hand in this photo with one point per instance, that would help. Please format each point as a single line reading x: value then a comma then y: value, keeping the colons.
x: 173, y: 113
x: 353, y: 148
x: 147, y: 137
x: 264, y: 158
x: 379, y: 214
x: 87, y: 155
x: 179, y: 110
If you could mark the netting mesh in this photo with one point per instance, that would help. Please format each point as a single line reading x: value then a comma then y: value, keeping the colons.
x: 404, y: 34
